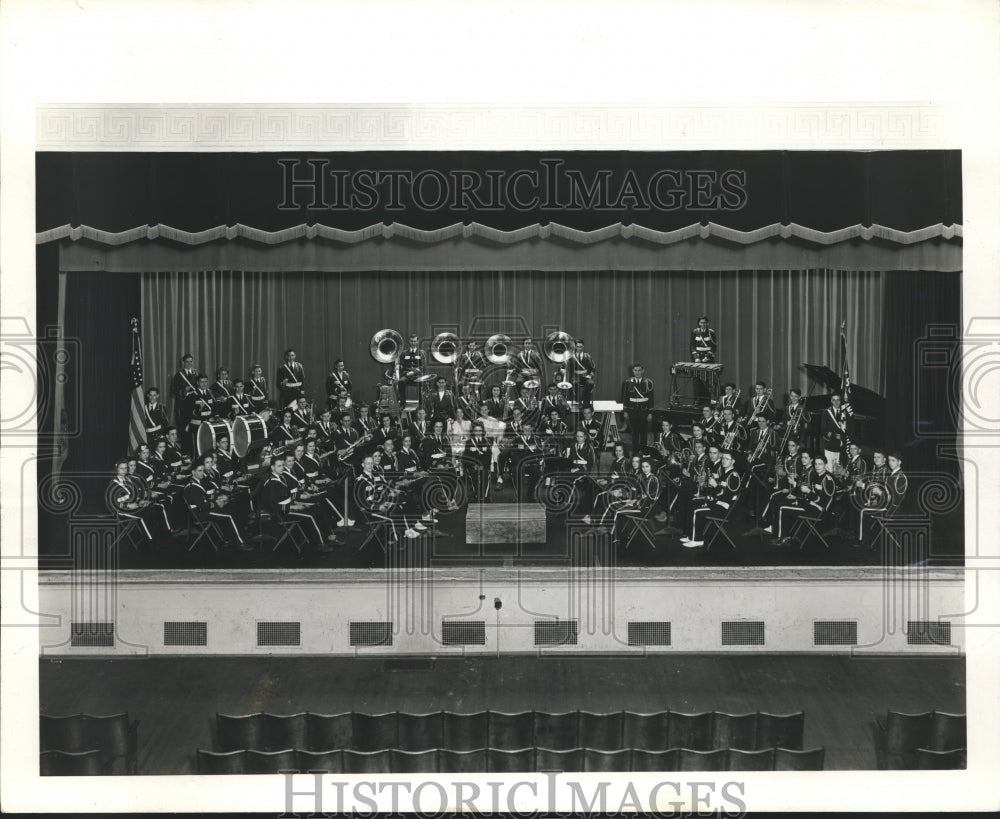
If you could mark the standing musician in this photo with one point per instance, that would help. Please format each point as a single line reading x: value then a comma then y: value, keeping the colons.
x: 833, y: 429
x: 257, y: 388
x: 242, y: 403
x: 581, y: 371
x: 411, y: 362
x: 222, y: 393
x: 338, y: 383
x: 183, y: 382
x: 637, y: 396
x: 291, y: 379
x: 704, y: 343
x: 441, y: 404
x: 479, y: 455
x: 471, y: 359
x: 154, y: 415
x: 553, y: 400
x: 720, y: 494
x: 760, y: 404
x: 730, y: 433
x: 731, y: 398
x: 198, y: 408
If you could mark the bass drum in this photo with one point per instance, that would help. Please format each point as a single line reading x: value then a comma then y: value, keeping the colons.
x: 249, y: 434
x: 210, y: 432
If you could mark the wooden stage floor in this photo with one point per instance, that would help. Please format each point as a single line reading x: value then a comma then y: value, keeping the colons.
x: 176, y: 698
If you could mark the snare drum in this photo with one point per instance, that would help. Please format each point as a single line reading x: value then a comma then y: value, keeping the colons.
x: 249, y: 434
x: 209, y: 433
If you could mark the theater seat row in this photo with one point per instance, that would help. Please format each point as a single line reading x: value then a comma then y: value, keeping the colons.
x: 80, y: 742
x: 492, y: 760
x: 706, y: 731
x: 928, y: 740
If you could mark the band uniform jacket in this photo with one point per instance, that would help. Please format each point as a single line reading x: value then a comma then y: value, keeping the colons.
x: 527, y: 360
x: 121, y: 493
x: 338, y: 384
x: 257, y: 390
x: 479, y: 448
x: 155, y: 420
x: 703, y: 343
x: 419, y: 430
x: 637, y: 394
x: 468, y: 405
x: 734, y: 402
x: 760, y: 405
x: 381, y: 435
x: 366, y: 424
x: 183, y: 383
x: 496, y: 407
x: 649, y: 490
x: 227, y: 464
x: 823, y: 487
x: 582, y: 458
x: 470, y: 361
x: 412, y: 360
x: 593, y: 429
x: 281, y: 435
x: 275, y: 497
x: 579, y: 364
x: 433, y: 445
x: 242, y: 405
x: 714, y: 467
x: 711, y: 428
x: 198, y: 408
x: 222, y: 397
x: 290, y: 378
x: 856, y: 469
x: 754, y: 440
x: 173, y: 458
x: 731, y: 435
x: 198, y: 500
x: 441, y: 404
x: 620, y: 467
x: 324, y: 433
x: 896, y: 484
x: 833, y: 429
x: 669, y: 442
x: 345, y: 437
x: 408, y: 461
x: 526, y: 443
x: 728, y: 487
x: 556, y: 403
x: 791, y: 412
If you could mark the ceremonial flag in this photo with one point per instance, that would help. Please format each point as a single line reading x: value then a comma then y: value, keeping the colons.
x: 844, y: 369
x: 137, y: 420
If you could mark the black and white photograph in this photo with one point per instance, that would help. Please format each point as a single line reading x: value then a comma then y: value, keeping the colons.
x: 353, y: 440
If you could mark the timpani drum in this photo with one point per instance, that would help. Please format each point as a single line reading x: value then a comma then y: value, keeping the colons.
x: 249, y: 434
x: 209, y: 433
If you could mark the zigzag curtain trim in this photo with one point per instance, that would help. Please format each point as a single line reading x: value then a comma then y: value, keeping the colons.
x: 504, y: 237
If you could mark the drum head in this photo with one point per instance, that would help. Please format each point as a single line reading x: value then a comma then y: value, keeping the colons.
x: 249, y: 434
x: 210, y: 432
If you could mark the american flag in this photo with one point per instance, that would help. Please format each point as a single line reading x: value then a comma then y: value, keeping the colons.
x: 844, y: 369
x: 137, y: 420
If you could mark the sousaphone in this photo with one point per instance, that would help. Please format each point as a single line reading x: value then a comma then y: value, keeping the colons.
x: 498, y: 347
x: 386, y: 347
x: 445, y: 348
x: 558, y: 348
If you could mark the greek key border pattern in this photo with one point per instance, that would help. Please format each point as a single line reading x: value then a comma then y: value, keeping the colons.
x: 82, y: 127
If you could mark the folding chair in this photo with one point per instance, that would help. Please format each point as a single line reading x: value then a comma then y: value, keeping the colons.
x: 380, y: 530
x: 129, y: 529
x: 716, y: 521
x: 810, y: 522
x: 289, y: 528
x: 199, y: 530
x: 642, y: 524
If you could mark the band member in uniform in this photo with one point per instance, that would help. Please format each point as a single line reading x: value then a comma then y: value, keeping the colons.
x: 529, y: 406
x: 183, y: 383
x: 338, y: 383
x: 582, y: 462
x: 760, y: 404
x: 795, y: 414
x: 637, y: 396
x: 704, y: 343
x: 729, y: 433
x: 458, y: 430
x: 526, y: 360
x: 708, y: 423
x: 385, y: 431
x: 126, y: 499
x: 277, y: 498
x: 812, y: 497
x: 468, y: 400
x: 348, y: 442
x: 325, y: 430
x: 760, y: 448
x: 731, y: 398
x: 881, y: 494
x: 621, y: 461
x: 365, y: 423
x: 203, y: 508
x: 497, y: 404
x: 411, y: 361
x: 553, y: 400
x: 242, y: 405
x: 471, y: 359
x: 478, y: 455
x: 592, y: 427
x: 257, y: 388
x: 290, y: 379
x: 198, y: 408
x: 222, y: 393
x: 284, y: 434
x: 581, y: 373
x: 788, y: 473
x: 441, y: 404
x: 155, y: 485
x: 555, y: 431
x: 154, y: 415
x: 719, y: 496
x: 668, y: 442
x: 833, y: 429
x: 173, y: 454
x: 523, y: 455
x: 647, y: 495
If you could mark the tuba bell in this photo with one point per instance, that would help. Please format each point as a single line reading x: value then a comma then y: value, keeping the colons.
x: 386, y: 346
x: 498, y: 348
x: 558, y: 346
x: 444, y: 348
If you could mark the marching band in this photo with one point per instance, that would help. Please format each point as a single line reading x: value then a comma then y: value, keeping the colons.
x: 236, y: 458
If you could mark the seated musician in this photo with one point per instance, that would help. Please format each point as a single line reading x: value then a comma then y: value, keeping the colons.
x: 496, y: 404
x: 812, y: 498
x: 407, y: 458
x: 364, y: 423
x: 529, y: 406
x: 284, y: 434
x: 698, y: 434
x: 523, y: 456
x: 795, y: 414
x: 325, y: 430
x: 468, y: 400
x: 472, y: 359
x: 847, y: 476
x: 458, y: 430
x: 257, y: 388
x: 379, y: 500
x: 200, y: 496
x: 301, y: 416
x: 316, y: 490
x: 277, y: 497
x: 478, y: 454
x: 553, y: 400
x: 788, y: 473
x: 340, y: 409
x: 878, y: 494
x: 704, y: 342
x: 730, y: 433
x: 173, y: 455
x: 760, y: 403
x: 226, y: 492
x: 435, y: 449
x: 338, y: 383
x: 555, y: 431
x: 143, y: 472
x: 760, y: 449
x: 230, y: 467
x: 647, y: 497
x: 389, y: 461
x: 348, y: 441
x: 385, y: 431
x: 719, y: 496
x: 154, y: 415
x: 592, y: 427
x: 527, y: 362
x: 515, y: 424
x: 667, y: 441
x: 620, y: 465
x: 241, y: 405
x: 731, y: 398
x: 420, y: 427
x: 709, y: 423
x: 674, y: 486
x: 582, y: 462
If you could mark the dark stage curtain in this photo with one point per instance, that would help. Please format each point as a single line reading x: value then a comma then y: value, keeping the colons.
x: 769, y: 322
x: 923, y: 313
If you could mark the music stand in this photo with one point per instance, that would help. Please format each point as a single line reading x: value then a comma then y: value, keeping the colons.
x: 609, y: 424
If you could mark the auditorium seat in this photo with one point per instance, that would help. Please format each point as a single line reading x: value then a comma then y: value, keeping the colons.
x: 271, y: 762
x: 608, y: 761
x: 789, y: 759
x: 947, y: 733
x: 325, y: 761
x: 548, y: 759
x: 897, y: 739
x: 521, y: 760
x: 472, y: 761
x: 690, y: 759
x: 239, y: 733
x: 419, y: 732
x: 739, y: 760
x: 602, y: 732
x: 780, y: 730
x: 511, y: 732
x: 643, y: 760
x: 464, y: 732
x: 646, y: 732
x: 367, y: 762
x: 693, y: 731
x: 281, y: 732
x: 559, y: 732
x: 374, y: 732
x: 70, y: 763
x: 415, y: 761
x: 931, y: 760
x: 734, y: 731
x: 68, y: 734
x: 328, y: 732
x: 222, y: 762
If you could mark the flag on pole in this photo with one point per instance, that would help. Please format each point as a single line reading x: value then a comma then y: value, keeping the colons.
x: 844, y: 369
x: 137, y: 422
